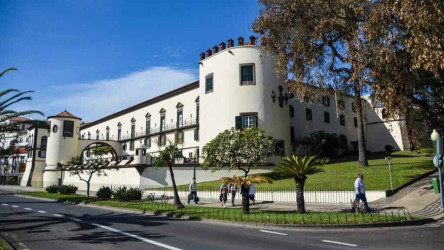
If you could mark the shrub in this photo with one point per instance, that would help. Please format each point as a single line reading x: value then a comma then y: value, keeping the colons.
x: 104, y: 193
x: 428, y: 151
x: 68, y: 189
x: 124, y: 194
x: 53, y: 189
x: 389, y: 149
x: 120, y: 194
x: 134, y: 194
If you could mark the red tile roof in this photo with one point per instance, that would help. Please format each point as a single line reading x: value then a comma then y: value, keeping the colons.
x: 20, y: 151
x: 65, y: 114
x: 20, y: 119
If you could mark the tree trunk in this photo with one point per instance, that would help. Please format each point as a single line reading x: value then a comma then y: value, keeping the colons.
x: 361, y: 137
x: 177, y: 203
x: 245, y: 199
x: 300, y: 201
x: 88, y: 184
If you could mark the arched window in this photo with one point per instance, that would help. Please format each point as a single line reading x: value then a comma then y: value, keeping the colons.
x: 326, y: 100
x: 162, y: 119
x: 107, y: 133
x: 97, y: 134
x: 89, y: 135
x: 148, y: 123
x: 384, y: 114
x: 43, y: 143
x: 179, y: 121
x: 133, y: 128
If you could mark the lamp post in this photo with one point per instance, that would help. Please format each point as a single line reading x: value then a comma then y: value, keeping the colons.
x: 438, y: 161
x: 388, y: 159
x: 195, y: 163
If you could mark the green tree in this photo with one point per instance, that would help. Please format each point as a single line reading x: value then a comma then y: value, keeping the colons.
x: 236, y: 149
x: 298, y: 168
x: 168, y: 156
x: 7, y: 99
x: 85, y: 167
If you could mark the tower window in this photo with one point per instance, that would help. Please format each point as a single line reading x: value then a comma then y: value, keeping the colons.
x: 342, y: 120
x: 308, y: 114
x: 247, y: 76
x: 209, y: 83
x: 326, y: 117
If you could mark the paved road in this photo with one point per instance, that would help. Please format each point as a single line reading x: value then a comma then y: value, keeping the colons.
x: 37, y: 224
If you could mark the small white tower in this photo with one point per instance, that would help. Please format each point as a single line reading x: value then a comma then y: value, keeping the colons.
x: 140, y: 155
x: 63, y: 144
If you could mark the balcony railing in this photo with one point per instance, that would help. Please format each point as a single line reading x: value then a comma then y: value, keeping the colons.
x: 168, y: 127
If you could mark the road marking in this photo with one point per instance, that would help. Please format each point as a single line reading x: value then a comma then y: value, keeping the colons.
x: 136, y: 237
x: 340, y: 243
x: 27, y: 208
x: 42, y: 212
x: 271, y: 232
x: 58, y: 215
x: 14, y: 206
x: 4, y: 204
x: 76, y: 219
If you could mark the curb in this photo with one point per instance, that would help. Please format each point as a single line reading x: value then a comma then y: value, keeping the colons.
x: 417, y: 222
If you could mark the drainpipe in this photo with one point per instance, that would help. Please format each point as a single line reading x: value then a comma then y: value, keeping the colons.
x: 34, y: 147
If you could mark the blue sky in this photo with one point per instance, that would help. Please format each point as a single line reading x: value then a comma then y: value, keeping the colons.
x: 95, y: 57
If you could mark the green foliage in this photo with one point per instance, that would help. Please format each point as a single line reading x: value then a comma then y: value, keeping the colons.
x: 104, y: 193
x: 102, y: 150
x: 298, y: 166
x: 428, y: 151
x: 124, y: 194
x: 325, y: 144
x: 168, y: 155
x: 68, y: 189
x: 235, y: 149
x: 53, y: 189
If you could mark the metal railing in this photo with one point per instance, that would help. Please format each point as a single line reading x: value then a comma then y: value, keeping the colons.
x: 168, y: 127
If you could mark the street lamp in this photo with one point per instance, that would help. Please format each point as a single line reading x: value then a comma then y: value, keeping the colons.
x: 438, y: 161
x: 195, y: 163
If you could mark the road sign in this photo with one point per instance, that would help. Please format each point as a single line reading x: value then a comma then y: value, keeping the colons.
x: 437, y: 161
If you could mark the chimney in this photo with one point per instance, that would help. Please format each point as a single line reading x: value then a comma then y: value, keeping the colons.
x: 252, y: 40
x: 215, y: 49
x: 208, y: 52
x: 230, y: 43
x: 202, y: 56
x: 240, y: 41
x: 222, y: 46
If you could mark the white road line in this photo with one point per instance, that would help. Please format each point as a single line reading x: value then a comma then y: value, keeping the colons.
x: 75, y: 219
x: 271, y: 232
x: 27, y: 208
x: 137, y: 237
x: 58, y: 215
x: 4, y: 204
x: 42, y: 212
x: 14, y: 206
x: 340, y: 243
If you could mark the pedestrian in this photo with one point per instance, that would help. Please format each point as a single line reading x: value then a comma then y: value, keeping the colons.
x: 223, y: 194
x: 251, y: 192
x: 193, y: 192
x: 360, y: 193
x: 232, y: 189
x: 4, y: 174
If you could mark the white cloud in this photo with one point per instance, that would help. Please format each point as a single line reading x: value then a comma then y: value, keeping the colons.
x: 94, y: 100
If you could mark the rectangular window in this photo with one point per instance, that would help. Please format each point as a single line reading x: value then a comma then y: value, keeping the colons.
x: 209, y: 83
x: 196, y: 134
x: 326, y: 117
x: 292, y: 134
x: 162, y: 140
x: 291, y: 111
x: 179, y: 118
x: 131, y: 145
x: 355, y: 121
x: 342, y: 120
x: 308, y: 114
x: 68, y: 128
x: 180, y: 138
x: 133, y: 130
x: 107, y: 135
x: 247, y: 74
x: 245, y: 121
x: 119, y: 134
x: 148, y: 142
x: 162, y: 122
x: 148, y: 126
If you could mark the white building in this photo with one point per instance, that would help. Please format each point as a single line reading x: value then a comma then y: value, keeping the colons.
x: 237, y: 87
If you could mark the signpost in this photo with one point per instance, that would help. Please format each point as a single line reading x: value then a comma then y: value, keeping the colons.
x: 438, y: 160
x: 388, y: 159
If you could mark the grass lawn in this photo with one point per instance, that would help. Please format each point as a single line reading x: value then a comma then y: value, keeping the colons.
x: 340, y: 173
x: 235, y: 214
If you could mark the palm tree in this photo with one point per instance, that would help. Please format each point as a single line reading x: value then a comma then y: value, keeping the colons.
x: 5, y: 113
x: 298, y: 168
x: 243, y: 183
x: 168, y: 156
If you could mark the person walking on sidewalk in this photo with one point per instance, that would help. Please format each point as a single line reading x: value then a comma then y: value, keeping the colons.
x: 251, y: 192
x: 193, y: 192
x: 223, y: 194
x: 232, y: 189
x: 360, y: 193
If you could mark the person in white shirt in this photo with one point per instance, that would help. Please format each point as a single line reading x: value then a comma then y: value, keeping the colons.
x: 232, y: 189
x: 193, y: 192
x: 360, y: 192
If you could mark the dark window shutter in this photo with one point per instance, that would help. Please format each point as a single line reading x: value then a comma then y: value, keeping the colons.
x: 238, y: 122
x: 256, y: 121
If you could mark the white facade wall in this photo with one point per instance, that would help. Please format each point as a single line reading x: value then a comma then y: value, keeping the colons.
x: 229, y: 99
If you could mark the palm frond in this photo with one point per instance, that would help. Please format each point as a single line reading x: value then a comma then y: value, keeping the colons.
x: 7, y: 70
